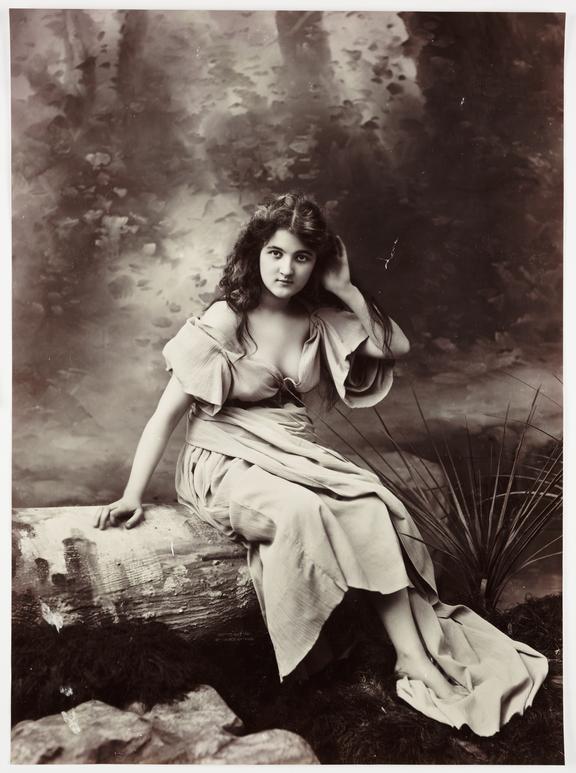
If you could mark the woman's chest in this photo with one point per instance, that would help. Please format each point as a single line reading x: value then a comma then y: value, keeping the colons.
x: 280, y: 343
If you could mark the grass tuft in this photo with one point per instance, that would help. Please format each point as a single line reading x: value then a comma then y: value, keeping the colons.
x: 482, y: 505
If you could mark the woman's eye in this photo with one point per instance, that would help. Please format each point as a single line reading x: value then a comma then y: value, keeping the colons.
x: 302, y: 258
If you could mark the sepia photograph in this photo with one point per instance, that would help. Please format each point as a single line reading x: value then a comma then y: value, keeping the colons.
x: 287, y: 386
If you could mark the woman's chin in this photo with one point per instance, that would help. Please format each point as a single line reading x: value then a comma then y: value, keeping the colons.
x: 283, y: 291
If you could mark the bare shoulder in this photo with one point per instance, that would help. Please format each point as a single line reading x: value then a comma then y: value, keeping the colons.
x: 222, y: 317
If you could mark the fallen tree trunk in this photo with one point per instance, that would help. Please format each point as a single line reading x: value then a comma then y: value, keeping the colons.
x: 172, y: 569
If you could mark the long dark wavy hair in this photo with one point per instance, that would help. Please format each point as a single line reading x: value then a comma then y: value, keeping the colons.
x: 241, y: 284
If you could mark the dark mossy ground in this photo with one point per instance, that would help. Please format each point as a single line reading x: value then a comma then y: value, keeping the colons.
x: 349, y: 713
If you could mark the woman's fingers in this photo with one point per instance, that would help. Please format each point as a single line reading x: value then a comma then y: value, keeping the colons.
x: 115, y: 513
x: 137, y: 518
x: 343, y: 251
x: 105, y: 514
x: 103, y: 517
x: 112, y: 515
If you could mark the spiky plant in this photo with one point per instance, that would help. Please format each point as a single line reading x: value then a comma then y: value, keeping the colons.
x: 482, y: 512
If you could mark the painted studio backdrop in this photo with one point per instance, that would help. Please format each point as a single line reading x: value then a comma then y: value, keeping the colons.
x: 143, y: 139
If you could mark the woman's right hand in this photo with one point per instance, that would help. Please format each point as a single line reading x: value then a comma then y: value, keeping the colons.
x: 113, y: 514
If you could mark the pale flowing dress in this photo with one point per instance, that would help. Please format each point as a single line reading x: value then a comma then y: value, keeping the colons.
x: 316, y: 524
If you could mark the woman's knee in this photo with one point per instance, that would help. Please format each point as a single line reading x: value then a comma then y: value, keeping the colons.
x: 251, y: 524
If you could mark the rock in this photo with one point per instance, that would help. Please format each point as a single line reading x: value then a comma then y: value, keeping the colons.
x: 206, y: 723
x: 201, y: 728
x: 90, y: 733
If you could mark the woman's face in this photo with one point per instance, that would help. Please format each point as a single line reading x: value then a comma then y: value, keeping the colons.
x: 286, y: 264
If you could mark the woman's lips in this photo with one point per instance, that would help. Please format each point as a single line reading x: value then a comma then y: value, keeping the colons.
x: 284, y: 281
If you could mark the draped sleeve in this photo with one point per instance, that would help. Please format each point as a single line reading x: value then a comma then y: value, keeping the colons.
x: 198, y: 358
x: 360, y: 381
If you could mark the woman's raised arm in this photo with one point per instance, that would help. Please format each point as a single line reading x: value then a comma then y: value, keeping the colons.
x: 172, y: 405
x: 336, y: 279
x: 373, y: 346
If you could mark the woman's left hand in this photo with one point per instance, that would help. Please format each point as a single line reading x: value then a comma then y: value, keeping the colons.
x: 336, y: 276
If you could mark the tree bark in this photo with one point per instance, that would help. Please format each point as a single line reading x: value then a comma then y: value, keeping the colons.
x: 173, y: 569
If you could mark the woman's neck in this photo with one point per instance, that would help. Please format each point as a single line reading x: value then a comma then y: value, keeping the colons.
x: 270, y: 303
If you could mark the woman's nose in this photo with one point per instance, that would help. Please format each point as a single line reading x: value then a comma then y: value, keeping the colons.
x: 287, y: 267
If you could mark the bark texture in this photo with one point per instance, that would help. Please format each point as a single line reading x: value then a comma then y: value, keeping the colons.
x: 173, y: 569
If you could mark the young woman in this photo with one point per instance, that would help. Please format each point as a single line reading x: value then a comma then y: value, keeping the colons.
x: 290, y: 320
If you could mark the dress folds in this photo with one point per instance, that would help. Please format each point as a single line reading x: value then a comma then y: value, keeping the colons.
x: 317, y: 525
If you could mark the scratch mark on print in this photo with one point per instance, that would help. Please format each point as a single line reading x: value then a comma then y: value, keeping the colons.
x: 389, y: 258
x: 66, y: 690
x: 172, y: 547
x: 52, y: 618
